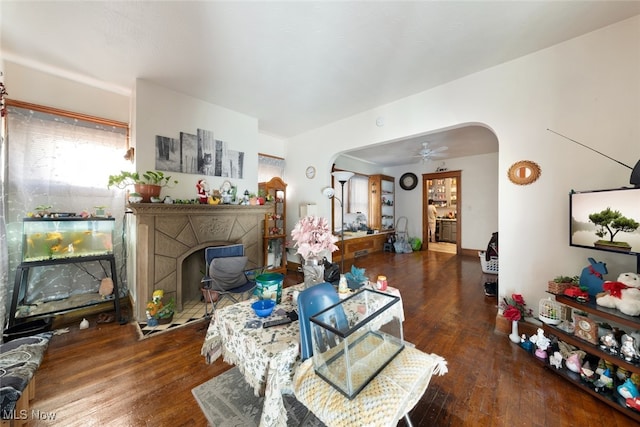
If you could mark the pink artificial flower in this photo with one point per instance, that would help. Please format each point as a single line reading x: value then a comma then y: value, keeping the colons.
x: 311, y: 235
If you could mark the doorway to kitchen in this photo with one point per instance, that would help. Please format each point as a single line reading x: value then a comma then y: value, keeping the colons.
x: 445, y: 189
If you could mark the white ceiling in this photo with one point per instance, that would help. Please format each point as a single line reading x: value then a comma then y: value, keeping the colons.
x: 295, y: 65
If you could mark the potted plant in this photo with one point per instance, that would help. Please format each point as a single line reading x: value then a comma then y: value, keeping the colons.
x: 148, y: 185
x: 561, y: 283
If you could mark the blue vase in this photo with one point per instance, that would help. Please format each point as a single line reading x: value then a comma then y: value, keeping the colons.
x: 152, y: 322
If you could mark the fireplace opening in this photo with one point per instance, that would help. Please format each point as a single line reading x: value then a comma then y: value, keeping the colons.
x: 192, y: 269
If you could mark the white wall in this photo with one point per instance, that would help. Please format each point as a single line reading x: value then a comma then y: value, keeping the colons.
x: 587, y: 88
x: 159, y: 111
x: 37, y: 87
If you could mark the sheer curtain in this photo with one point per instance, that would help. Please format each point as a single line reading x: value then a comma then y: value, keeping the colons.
x: 269, y: 167
x: 4, y: 260
x: 61, y: 160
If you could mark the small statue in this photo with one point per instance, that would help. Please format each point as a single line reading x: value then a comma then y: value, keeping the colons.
x: 555, y: 360
x: 542, y: 343
x: 574, y: 363
x: 628, y: 348
x: 203, y: 190
x: 609, y: 343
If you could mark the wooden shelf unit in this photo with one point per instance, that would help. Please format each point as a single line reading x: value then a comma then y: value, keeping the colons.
x: 613, y: 399
x: 275, y: 226
x: 382, y: 215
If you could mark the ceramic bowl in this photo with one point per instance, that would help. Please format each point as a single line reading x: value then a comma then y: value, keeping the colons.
x: 263, y: 307
x: 135, y: 199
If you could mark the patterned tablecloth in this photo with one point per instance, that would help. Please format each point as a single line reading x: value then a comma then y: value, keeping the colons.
x: 268, y: 358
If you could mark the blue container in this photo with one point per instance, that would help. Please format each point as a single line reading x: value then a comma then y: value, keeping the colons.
x: 263, y: 307
x: 269, y: 286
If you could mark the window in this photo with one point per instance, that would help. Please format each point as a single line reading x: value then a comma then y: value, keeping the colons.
x: 269, y: 167
x: 356, y: 203
x: 62, y: 160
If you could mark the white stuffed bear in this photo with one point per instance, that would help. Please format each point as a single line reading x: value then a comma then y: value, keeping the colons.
x: 623, y: 295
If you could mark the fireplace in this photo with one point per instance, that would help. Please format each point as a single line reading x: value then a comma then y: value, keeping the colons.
x: 166, y: 241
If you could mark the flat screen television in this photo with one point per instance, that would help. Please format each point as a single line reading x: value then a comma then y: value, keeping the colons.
x: 606, y: 220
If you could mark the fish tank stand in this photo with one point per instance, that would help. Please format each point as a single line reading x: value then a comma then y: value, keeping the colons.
x: 59, y: 241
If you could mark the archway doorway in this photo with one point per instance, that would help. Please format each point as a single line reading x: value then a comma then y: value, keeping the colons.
x: 445, y: 189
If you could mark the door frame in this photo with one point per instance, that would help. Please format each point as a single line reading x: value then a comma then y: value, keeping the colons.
x: 425, y: 202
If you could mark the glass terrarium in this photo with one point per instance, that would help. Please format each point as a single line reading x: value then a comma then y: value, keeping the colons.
x: 57, y: 238
x: 356, y: 338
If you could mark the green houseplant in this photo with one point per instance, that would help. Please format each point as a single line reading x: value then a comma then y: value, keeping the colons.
x: 148, y: 185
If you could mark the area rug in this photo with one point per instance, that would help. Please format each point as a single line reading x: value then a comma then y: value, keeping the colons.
x: 228, y: 401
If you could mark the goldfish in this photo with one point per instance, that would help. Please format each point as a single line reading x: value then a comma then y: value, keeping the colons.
x: 54, y: 236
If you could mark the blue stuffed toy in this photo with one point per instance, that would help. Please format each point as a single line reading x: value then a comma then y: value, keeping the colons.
x: 592, y: 277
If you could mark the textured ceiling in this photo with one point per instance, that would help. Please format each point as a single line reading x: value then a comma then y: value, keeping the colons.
x: 294, y: 65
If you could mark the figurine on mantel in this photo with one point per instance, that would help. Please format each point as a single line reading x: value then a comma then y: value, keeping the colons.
x: 203, y: 191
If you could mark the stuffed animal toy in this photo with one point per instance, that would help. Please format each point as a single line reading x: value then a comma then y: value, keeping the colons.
x: 591, y: 277
x: 623, y: 295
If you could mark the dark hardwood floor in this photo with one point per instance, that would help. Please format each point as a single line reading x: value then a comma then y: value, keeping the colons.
x: 105, y: 376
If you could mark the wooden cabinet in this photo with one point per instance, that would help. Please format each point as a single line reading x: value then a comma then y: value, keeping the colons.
x: 355, y: 247
x: 382, y: 215
x: 275, y: 225
x: 447, y: 230
x: 626, y: 323
x: 443, y: 192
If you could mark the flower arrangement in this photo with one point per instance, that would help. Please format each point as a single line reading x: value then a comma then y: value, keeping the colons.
x: 311, y: 235
x: 515, y: 308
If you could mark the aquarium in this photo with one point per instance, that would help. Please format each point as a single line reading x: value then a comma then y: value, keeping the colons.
x: 356, y: 338
x: 58, y: 238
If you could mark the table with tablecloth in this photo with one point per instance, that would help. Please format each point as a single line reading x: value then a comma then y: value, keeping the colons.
x: 267, y: 357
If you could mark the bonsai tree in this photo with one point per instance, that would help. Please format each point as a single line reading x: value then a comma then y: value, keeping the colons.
x: 610, y: 222
x: 124, y: 179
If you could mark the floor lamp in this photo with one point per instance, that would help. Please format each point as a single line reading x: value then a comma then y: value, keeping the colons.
x: 342, y: 178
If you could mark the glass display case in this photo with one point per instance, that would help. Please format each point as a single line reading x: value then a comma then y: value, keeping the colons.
x: 56, y: 238
x: 356, y: 338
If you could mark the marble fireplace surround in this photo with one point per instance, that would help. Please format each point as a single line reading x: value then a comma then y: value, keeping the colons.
x: 164, y: 237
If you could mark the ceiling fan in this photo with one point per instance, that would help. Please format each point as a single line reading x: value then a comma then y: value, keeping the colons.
x: 427, y: 153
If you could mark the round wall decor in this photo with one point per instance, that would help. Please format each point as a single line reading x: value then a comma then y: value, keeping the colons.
x: 524, y: 172
x: 408, y: 181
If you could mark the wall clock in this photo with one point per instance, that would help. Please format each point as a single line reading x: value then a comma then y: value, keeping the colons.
x: 310, y: 172
x: 408, y: 181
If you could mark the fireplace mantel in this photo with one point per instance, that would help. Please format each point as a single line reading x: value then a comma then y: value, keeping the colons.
x: 162, y: 236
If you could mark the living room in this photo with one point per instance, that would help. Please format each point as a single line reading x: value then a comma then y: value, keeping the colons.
x: 586, y: 87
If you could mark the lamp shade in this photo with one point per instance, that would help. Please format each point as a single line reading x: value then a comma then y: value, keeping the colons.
x: 342, y: 176
x: 328, y: 192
